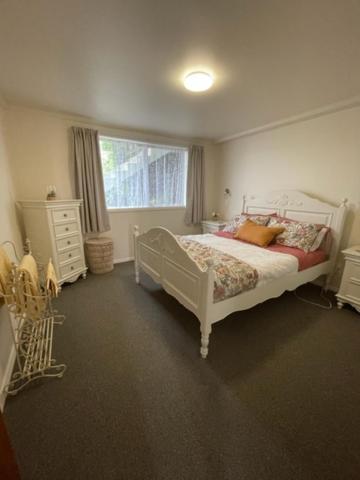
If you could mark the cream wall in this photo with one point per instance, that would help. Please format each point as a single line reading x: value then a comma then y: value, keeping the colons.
x: 39, y: 146
x: 8, y: 231
x: 320, y: 156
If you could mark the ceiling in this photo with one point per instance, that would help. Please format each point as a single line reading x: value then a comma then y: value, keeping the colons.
x: 122, y: 61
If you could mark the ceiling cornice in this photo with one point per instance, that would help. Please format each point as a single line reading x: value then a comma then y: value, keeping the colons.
x: 311, y: 114
x: 103, y: 126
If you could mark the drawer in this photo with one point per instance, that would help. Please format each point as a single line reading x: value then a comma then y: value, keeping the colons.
x: 65, y: 228
x: 352, y: 271
x: 72, y: 254
x: 352, y: 291
x: 211, y: 228
x: 66, y: 243
x: 72, y: 267
x: 64, y: 214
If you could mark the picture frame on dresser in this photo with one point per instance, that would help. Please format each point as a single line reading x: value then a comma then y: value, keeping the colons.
x: 53, y: 228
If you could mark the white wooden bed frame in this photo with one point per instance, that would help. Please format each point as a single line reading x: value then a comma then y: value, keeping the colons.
x: 159, y: 254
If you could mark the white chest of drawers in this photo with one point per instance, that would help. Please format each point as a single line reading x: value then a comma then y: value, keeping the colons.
x: 54, y: 230
x: 350, y: 282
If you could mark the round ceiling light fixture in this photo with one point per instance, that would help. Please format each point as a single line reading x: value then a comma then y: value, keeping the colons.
x: 198, y: 81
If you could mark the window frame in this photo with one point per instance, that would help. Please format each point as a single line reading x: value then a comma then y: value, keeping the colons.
x: 148, y: 144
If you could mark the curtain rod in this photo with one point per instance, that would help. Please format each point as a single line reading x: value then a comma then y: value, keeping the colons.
x: 149, y: 144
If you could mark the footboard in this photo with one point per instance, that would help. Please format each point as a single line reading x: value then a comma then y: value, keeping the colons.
x: 159, y: 254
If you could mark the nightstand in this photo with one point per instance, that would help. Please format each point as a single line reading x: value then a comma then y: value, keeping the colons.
x: 350, y: 283
x: 212, y: 226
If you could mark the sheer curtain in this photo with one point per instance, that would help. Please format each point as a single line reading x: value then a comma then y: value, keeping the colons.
x: 143, y: 175
x: 195, y: 186
x: 89, y: 185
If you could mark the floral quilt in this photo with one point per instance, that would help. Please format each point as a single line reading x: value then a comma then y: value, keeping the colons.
x: 232, y: 276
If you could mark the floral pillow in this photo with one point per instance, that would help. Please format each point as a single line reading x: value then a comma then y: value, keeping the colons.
x: 238, y: 220
x: 320, y: 241
x: 297, y: 234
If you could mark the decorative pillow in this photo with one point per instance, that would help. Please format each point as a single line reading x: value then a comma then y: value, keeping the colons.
x: 238, y: 220
x: 297, y: 234
x: 276, y: 219
x: 258, y: 234
x: 319, y: 239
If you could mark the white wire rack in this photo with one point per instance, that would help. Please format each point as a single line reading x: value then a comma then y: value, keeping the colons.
x: 32, y: 319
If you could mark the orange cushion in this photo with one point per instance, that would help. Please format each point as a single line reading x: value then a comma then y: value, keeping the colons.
x: 257, y: 234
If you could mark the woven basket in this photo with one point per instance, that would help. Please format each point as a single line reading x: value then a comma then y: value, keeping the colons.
x: 100, y: 254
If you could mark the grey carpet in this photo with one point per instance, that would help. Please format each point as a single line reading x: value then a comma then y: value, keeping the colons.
x: 277, y: 398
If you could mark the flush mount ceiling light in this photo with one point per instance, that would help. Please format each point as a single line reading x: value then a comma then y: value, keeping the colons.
x: 198, y: 81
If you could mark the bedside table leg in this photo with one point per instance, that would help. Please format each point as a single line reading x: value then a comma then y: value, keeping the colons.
x: 339, y: 305
x: 137, y: 272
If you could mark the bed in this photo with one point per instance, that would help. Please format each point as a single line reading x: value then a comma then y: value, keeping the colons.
x: 162, y: 255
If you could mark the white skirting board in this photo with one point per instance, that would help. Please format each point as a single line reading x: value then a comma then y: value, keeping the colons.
x: 7, y: 377
x: 123, y: 260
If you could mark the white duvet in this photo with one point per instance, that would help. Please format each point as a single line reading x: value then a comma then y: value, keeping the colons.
x: 269, y: 265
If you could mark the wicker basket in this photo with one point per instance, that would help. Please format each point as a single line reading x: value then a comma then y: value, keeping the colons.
x: 100, y: 254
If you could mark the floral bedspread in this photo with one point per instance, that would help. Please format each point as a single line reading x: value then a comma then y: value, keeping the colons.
x: 232, y: 276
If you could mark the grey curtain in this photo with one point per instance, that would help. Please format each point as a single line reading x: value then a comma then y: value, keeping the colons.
x: 89, y: 184
x: 195, y: 186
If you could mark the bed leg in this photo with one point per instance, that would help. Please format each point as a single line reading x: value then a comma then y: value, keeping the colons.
x: 137, y: 273
x: 136, y: 262
x: 205, y: 334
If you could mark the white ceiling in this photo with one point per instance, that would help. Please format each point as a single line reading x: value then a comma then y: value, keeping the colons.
x: 121, y: 61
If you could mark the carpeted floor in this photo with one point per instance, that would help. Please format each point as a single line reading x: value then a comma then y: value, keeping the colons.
x: 278, y: 397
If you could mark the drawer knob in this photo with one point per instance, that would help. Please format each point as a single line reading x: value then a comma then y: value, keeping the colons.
x: 66, y: 229
x: 68, y: 242
x: 70, y: 255
x: 72, y: 268
x: 65, y: 214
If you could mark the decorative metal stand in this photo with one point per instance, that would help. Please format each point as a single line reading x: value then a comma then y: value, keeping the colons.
x: 32, y: 319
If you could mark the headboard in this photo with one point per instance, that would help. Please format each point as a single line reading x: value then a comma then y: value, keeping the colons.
x: 299, y: 206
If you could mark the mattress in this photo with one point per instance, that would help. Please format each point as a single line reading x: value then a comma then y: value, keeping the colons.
x: 306, y: 260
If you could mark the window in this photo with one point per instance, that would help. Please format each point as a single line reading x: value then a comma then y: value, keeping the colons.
x: 138, y: 175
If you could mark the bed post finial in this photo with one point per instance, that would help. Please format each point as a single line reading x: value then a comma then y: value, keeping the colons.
x: 210, y: 263
x: 243, y: 202
x: 136, y: 259
x: 27, y: 246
